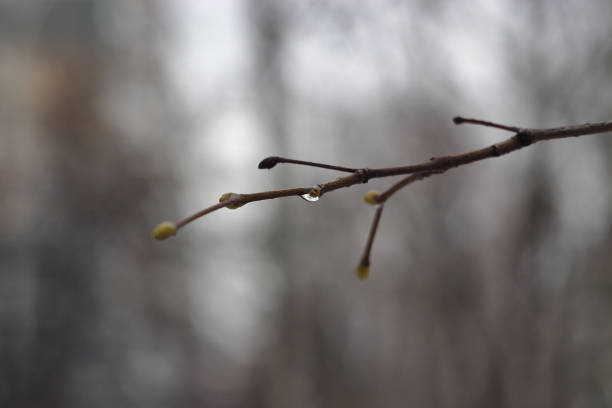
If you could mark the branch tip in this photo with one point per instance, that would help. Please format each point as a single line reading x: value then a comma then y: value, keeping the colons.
x: 363, y: 270
x: 371, y: 197
x: 459, y: 120
x: 164, y: 230
x: 268, y: 162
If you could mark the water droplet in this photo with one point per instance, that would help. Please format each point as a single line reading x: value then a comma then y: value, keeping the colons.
x: 310, y: 198
x: 313, y: 195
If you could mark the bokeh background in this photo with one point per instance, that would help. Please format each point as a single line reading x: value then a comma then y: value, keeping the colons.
x: 491, y: 285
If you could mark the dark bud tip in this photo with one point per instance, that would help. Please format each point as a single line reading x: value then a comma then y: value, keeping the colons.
x: 268, y: 162
x: 458, y: 120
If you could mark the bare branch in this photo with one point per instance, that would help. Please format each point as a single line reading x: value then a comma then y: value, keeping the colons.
x: 416, y: 172
x: 363, y: 269
x: 272, y: 161
x: 522, y: 138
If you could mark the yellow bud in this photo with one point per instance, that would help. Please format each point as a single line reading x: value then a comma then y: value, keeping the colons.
x: 363, y: 271
x: 164, y: 230
x: 315, y: 191
x: 371, y: 197
x: 230, y: 196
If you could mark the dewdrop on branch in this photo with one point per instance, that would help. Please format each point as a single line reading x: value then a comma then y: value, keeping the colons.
x: 313, y: 195
x: 231, y: 196
x: 164, y: 230
x: 371, y: 197
x: 362, y: 271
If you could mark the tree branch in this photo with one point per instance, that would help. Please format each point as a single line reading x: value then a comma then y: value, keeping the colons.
x: 415, y: 172
x: 523, y: 138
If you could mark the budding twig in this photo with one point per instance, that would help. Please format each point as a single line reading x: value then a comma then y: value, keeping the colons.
x: 459, y: 120
x: 272, y: 161
x: 415, y: 172
x: 243, y: 199
x: 363, y: 269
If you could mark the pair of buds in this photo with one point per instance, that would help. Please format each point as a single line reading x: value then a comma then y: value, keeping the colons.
x: 168, y: 229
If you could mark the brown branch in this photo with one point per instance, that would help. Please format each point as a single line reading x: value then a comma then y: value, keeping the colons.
x: 459, y: 120
x: 522, y: 138
x: 363, y: 269
x: 416, y: 172
x: 272, y: 161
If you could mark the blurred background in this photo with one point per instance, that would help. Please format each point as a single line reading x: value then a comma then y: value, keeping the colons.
x: 491, y: 285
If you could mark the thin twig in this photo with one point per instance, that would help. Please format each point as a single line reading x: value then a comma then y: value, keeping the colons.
x: 272, y: 161
x: 459, y: 120
x: 365, y: 258
x: 384, y: 196
x: 243, y: 199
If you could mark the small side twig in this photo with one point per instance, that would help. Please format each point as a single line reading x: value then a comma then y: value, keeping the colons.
x: 272, y: 161
x: 459, y: 120
x: 363, y: 269
x: 384, y: 196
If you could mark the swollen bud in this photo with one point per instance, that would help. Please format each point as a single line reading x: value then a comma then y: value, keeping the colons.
x: 363, y: 271
x: 231, y: 196
x: 371, y: 197
x: 268, y: 162
x: 164, y: 230
x: 315, y: 191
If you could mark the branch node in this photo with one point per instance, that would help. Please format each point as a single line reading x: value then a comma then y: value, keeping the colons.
x: 495, y: 151
x: 524, y: 138
x: 364, y: 175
